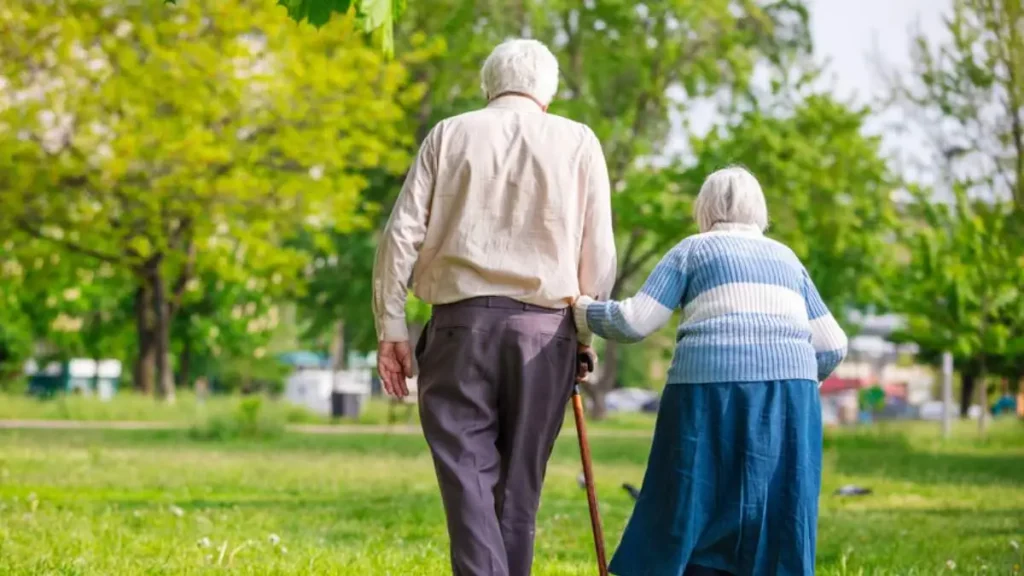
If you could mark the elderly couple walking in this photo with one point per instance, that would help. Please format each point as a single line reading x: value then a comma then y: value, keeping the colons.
x: 504, y: 224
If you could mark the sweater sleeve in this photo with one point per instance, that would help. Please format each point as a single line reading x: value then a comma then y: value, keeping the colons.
x: 634, y: 318
x: 827, y: 337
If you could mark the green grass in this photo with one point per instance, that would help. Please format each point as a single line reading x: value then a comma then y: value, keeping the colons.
x: 158, y: 502
x: 132, y: 407
x: 187, y: 409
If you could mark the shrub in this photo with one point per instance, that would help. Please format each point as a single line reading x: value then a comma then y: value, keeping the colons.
x: 248, y: 420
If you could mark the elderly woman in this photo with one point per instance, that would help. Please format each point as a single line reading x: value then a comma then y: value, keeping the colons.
x: 734, y: 473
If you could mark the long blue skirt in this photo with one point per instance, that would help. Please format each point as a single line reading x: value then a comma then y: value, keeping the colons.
x: 732, y: 482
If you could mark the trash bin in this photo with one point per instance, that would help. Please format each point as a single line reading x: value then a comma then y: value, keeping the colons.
x: 77, y: 376
x: 345, y: 405
x: 351, y: 388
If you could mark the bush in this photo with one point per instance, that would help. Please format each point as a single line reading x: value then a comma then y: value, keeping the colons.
x: 247, y: 421
x: 249, y: 375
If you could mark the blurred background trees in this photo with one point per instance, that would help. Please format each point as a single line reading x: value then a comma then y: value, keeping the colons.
x: 961, y: 280
x: 195, y: 188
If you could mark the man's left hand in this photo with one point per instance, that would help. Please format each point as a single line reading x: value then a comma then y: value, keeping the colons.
x: 394, y: 364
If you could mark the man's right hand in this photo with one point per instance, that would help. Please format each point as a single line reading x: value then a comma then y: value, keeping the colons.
x: 583, y: 369
x: 394, y: 364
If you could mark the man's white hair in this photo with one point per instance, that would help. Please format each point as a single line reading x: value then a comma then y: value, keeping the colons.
x: 731, y: 195
x: 520, y: 65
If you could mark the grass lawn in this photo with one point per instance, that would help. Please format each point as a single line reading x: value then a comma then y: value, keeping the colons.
x: 160, y: 502
x: 187, y: 410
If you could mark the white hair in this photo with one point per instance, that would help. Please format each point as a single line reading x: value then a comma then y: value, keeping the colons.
x: 520, y: 65
x: 730, y: 195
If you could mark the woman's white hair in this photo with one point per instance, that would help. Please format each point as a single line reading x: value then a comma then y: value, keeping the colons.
x: 520, y: 65
x: 731, y: 195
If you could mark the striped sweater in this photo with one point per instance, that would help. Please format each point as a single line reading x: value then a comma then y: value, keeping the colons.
x: 750, y: 312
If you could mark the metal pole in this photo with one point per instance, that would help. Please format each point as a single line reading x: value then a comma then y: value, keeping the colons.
x: 947, y: 394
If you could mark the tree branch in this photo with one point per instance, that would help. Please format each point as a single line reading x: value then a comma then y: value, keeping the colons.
x: 27, y: 228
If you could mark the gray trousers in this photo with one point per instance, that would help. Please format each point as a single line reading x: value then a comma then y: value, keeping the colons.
x: 495, y: 376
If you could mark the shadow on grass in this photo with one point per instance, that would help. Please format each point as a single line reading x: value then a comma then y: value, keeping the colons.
x: 894, y: 457
x: 887, y: 455
x: 605, y: 450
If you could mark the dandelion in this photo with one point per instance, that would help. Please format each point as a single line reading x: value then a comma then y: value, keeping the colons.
x: 316, y: 172
x: 203, y: 542
x: 274, y: 539
x: 176, y: 511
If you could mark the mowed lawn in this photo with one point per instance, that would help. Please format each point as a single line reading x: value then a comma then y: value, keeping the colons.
x: 161, y: 502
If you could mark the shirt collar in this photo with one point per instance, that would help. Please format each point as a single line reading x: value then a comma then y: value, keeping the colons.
x: 514, y: 102
x: 736, y: 227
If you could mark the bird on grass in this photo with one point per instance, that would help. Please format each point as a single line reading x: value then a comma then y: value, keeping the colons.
x: 633, y: 491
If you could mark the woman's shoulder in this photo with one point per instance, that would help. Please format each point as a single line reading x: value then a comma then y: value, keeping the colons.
x: 716, y: 246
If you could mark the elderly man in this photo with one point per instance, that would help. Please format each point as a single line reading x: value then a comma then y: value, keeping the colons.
x: 504, y: 219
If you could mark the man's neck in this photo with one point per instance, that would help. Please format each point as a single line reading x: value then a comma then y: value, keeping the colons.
x: 515, y: 94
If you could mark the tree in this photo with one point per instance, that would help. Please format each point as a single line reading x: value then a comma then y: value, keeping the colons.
x: 375, y: 17
x: 167, y: 148
x: 626, y: 69
x: 965, y: 95
x: 827, y: 185
x: 961, y: 289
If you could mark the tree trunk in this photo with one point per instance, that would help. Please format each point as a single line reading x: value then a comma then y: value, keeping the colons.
x: 597, y: 391
x: 983, y: 399
x: 145, y: 361
x: 338, y: 347
x: 162, y: 330
x: 185, y: 362
x: 967, y: 380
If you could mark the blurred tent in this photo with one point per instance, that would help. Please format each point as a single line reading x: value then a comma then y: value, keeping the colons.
x: 304, y: 360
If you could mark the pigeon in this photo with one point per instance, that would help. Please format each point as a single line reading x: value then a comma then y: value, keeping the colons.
x: 852, y: 490
x: 633, y: 491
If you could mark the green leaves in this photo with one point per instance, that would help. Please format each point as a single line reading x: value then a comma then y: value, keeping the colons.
x: 238, y: 132
x: 827, y: 186
x: 376, y: 17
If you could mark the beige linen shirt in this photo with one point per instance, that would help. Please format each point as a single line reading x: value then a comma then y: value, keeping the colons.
x: 503, y: 201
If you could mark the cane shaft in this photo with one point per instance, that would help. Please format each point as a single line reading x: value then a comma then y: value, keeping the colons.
x: 588, y: 476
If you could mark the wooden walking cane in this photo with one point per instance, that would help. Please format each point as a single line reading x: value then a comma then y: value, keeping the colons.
x: 588, y: 470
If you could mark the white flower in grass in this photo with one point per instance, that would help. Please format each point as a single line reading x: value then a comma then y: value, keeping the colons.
x: 176, y: 511
x: 203, y: 542
x: 274, y: 539
x: 951, y: 564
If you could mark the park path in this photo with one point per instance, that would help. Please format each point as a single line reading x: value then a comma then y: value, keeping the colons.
x: 325, y: 429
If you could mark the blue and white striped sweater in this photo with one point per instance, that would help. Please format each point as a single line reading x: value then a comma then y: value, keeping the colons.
x: 750, y: 311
